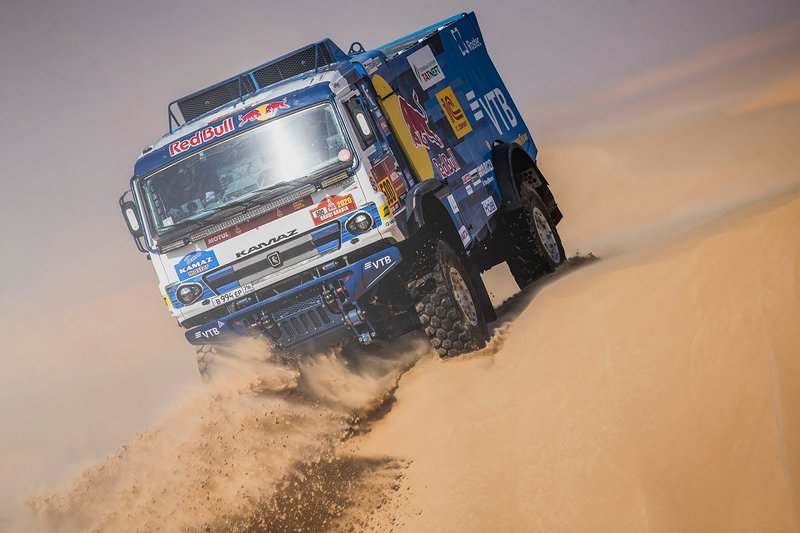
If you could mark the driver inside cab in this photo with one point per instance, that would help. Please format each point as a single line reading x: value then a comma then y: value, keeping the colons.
x: 192, y: 184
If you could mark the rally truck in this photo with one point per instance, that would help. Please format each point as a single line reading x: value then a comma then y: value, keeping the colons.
x: 327, y: 195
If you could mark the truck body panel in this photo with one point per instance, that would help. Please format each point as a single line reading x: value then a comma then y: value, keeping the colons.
x: 320, y: 255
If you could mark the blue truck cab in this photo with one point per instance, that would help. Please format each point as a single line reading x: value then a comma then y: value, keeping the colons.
x: 327, y: 194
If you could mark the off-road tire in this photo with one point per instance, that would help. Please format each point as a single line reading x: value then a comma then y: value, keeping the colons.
x: 451, y: 330
x: 207, y: 359
x: 532, y: 254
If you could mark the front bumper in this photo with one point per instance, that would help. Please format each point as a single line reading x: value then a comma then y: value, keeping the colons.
x: 312, y: 309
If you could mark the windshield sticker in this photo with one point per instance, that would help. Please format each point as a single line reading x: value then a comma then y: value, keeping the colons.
x: 201, y: 137
x: 344, y: 155
x: 332, y: 207
x: 263, y: 112
x: 425, y: 67
x: 258, y: 221
x: 196, y: 263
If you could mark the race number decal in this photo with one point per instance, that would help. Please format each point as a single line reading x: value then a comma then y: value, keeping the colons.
x: 387, y: 189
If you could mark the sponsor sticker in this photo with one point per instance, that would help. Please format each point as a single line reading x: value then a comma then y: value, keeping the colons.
x: 452, y: 202
x: 425, y: 67
x: 464, y: 234
x: 495, y: 106
x: 465, y: 46
x: 207, y: 333
x: 485, y: 167
x: 387, y: 189
x: 201, y: 137
x: 378, y: 264
x: 258, y: 221
x: 386, y: 170
x: 416, y: 120
x: 262, y: 112
x: 195, y: 263
x: 447, y: 163
x: 522, y: 138
x: 385, y: 212
x: 452, y: 110
x: 332, y: 207
x: 489, y: 206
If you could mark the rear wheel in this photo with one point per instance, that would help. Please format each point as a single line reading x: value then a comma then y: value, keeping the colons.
x: 448, y: 304
x: 535, y: 248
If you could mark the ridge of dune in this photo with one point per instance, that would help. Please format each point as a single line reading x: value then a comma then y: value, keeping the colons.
x: 658, y: 391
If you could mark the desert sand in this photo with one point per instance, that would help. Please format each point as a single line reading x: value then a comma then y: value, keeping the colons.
x: 652, y: 389
x: 656, y: 392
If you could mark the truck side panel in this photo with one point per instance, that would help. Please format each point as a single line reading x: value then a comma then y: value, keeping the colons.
x: 447, y: 105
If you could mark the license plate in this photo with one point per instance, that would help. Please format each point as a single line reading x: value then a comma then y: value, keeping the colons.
x: 235, y: 294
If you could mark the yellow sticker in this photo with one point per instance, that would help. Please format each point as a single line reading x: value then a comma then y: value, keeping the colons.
x: 390, y: 104
x: 385, y: 211
x: 386, y: 187
x: 452, y: 110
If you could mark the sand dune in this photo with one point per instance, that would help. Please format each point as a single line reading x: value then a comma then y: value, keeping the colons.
x: 653, y: 392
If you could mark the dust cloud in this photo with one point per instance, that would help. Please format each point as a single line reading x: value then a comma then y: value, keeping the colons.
x: 231, y: 455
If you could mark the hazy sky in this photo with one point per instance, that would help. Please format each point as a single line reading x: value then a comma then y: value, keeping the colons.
x: 86, y: 84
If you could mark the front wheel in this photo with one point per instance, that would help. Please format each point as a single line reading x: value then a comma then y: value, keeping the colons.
x: 448, y: 304
x: 208, y: 359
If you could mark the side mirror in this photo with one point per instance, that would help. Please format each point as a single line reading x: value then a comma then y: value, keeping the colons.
x: 131, y: 219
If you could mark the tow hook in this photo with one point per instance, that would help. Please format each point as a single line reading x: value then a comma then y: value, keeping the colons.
x: 356, y: 319
x: 267, y: 325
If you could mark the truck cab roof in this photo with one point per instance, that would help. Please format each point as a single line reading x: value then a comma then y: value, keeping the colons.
x: 295, y: 92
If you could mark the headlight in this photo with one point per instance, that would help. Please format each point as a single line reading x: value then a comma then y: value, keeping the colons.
x: 359, y: 223
x: 189, y: 293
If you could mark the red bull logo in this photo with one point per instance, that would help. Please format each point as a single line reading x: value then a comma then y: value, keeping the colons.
x: 417, y: 121
x: 201, y: 137
x: 262, y: 112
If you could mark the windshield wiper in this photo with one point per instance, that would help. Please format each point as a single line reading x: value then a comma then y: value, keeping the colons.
x: 259, y: 198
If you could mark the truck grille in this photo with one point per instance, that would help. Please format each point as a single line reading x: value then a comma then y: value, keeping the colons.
x: 302, y: 318
x: 257, y: 265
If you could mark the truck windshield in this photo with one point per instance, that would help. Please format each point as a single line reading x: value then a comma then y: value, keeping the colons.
x: 307, y: 143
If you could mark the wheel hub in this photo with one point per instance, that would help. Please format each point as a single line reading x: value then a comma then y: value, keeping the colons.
x: 463, y: 297
x: 546, y: 235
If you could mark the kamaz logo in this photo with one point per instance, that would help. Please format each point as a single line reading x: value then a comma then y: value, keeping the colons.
x: 195, y: 263
x: 195, y: 266
x: 273, y: 241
